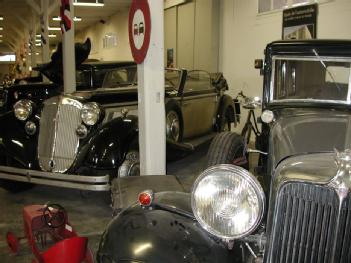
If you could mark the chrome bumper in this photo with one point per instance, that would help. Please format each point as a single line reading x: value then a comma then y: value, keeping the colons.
x: 82, y: 182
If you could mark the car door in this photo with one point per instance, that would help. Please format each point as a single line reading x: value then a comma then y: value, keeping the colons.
x: 198, y: 104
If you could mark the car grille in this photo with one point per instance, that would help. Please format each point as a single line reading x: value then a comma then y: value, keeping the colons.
x: 306, y: 222
x: 58, y: 142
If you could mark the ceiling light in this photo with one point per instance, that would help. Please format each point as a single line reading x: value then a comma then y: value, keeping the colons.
x: 1, y: 18
x: 52, y: 35
x: 54, y: 28
x: 0, y: 40
x: 38, y: 40
x: 38, y: 35
x: 76, y: 18
x: 1, y: 28
x: 96, y: 3
x: 38, y: 44
x: 0, y: 35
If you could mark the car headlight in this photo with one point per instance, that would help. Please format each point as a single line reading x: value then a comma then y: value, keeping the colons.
x: 90, y: 113
x: 228, y: 201
x: 23, y: 109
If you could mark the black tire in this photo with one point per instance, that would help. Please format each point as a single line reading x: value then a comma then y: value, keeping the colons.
x: 13, y: 186
x: 227, y: 148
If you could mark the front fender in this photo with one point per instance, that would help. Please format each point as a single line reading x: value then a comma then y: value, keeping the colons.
x: 157, y: 235
x: 15, y: 143
x: 107, y: 147
x: 225, y: 102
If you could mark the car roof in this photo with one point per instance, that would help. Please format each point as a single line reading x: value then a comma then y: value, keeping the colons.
x: 324, y: 47
x: 106, y: 64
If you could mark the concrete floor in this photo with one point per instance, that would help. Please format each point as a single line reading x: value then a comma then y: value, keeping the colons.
x: 88, y: 213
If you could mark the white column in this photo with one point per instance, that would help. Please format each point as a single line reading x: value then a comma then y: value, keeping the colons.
x: 69, y: 67
x: 151, y: 109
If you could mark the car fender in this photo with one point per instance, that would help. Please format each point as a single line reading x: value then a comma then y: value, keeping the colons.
x: 158, y: 235
x: 225, y: 102
x: 107, y: 146
x: 15, y: 143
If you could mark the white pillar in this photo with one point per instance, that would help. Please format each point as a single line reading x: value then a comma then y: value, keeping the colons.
x: 151, y: 109
x: 69, y: 66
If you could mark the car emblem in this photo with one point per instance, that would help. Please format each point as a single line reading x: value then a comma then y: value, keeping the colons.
x: 342, y: 180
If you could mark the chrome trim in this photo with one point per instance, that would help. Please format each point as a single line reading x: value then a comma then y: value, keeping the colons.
x: 59, y: 134
x: 82, y: 182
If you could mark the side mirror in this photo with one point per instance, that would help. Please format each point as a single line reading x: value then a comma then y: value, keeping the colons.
x: 259, y: 65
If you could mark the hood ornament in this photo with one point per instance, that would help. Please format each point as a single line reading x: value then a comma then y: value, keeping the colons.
x: 342, y: 180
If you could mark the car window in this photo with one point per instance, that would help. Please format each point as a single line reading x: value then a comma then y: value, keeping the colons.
x: 83, y: 79
x: 120, y: 77
x: 197, y: 80
x: 321, y: 79
x: 172, y: 78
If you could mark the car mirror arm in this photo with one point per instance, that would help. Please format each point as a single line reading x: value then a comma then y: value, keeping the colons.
x: 248, y: 150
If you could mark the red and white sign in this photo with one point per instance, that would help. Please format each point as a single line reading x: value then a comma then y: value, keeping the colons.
x: 139, y: 25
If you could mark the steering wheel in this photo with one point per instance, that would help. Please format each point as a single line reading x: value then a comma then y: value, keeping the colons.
x: 54, y: 215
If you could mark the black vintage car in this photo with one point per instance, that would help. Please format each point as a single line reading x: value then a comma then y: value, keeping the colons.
x: 85, y: 139
x: 299, y: 212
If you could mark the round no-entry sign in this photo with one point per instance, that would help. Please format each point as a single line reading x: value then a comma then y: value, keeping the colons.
x: 139, y: 25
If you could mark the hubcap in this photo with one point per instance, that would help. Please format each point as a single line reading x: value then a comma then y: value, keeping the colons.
x: 172, y: 126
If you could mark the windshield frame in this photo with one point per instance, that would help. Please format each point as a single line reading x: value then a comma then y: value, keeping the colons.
x: 320, y: 59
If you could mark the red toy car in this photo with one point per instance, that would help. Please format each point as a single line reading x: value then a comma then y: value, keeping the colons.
x: 50, y: 236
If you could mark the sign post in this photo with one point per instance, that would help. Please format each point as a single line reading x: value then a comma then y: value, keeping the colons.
x: 146, y: 40
x: 68, y: 51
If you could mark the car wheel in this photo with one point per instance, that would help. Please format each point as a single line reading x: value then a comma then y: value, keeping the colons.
x: 131, y: 165
x: 227, y: 148
x: 13, y: 186
x: 173, y: 128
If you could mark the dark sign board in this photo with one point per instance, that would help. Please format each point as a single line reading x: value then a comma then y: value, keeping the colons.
x: 300, y: 22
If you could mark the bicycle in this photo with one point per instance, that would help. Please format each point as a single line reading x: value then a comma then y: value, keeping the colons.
x: 251, y: 123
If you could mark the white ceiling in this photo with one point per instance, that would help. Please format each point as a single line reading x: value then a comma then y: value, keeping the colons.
x: 15, y: 32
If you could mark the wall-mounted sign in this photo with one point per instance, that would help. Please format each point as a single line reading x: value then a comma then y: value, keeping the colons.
x: 300, y: 22
x: 139, y: 25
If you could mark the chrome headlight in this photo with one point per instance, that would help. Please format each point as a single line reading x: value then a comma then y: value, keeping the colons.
x: 228, y: 201
x: 90, y: 113
x: 23, y: 109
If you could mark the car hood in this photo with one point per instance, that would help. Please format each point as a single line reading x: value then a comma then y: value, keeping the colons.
x: 301, y: 131
x: 54, y: 69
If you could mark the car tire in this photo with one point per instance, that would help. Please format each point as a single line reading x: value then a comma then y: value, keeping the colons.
x: 227, y: 148
x: 173, y: 125
x: 13, y: 186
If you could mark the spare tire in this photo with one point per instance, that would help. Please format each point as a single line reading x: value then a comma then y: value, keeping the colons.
x: 227, y: 148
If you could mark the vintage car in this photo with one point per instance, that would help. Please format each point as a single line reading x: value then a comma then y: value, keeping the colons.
x: 299, y: 212
x: 85, y: 139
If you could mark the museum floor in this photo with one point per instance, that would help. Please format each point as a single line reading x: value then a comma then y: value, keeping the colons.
x: 89, y: 214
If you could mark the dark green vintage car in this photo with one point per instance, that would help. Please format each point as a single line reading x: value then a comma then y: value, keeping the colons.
x: 299, y: 210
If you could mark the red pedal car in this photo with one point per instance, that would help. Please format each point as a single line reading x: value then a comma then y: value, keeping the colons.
x: 50, y: 236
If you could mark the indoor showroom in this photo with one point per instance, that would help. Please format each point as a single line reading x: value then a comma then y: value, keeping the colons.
x: 167, y: 131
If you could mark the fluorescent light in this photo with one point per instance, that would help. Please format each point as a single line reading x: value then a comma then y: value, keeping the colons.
x: 38, y: 44
x: 37, y: 54
x: 1, y: 18
x: 0, y: 40
x: 0, y: 35
x: 38, y: 35
x: 38, y: 40
x: 54, y: 28
x: 1, y: 28
x: 97, y: 3
x: 76, y: 18
x: 52, y: 35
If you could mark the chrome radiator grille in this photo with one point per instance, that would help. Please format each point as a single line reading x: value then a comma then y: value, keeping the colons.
x: 306, y: 224
x: 58, y: 142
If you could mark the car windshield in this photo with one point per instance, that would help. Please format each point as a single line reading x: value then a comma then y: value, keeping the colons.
x: 120, y: 77
x: 319, y: 79
x: 172, y: 78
